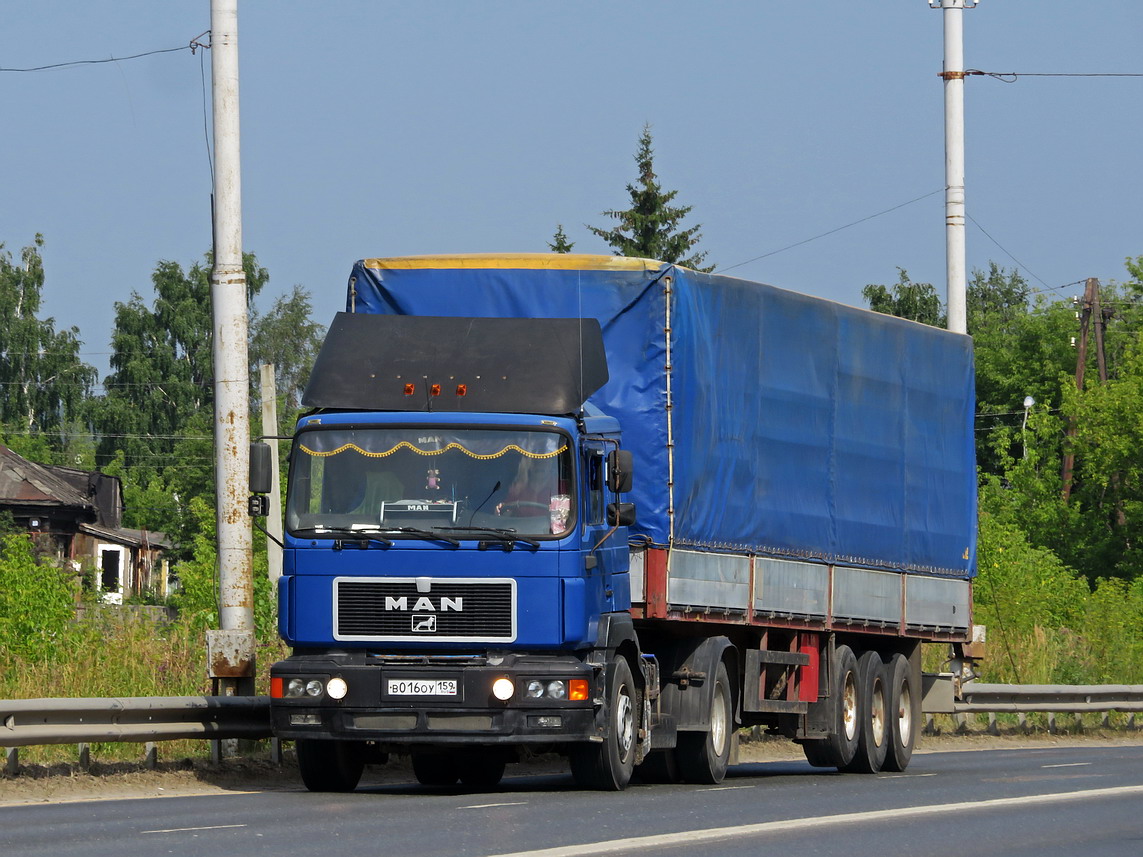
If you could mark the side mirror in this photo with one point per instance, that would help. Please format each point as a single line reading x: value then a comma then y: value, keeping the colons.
x: 621, y: 514
x: 261, y: 468
x: 619, y: 471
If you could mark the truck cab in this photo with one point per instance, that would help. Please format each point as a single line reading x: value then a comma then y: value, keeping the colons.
x: 455, y: 581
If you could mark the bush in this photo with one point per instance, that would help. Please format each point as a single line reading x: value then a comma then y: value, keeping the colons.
x: 37, y: 603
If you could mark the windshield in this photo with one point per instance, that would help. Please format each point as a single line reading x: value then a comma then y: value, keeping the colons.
x: 366, y: 479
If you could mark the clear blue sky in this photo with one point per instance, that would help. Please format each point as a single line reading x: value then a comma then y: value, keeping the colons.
x: 386, y: 128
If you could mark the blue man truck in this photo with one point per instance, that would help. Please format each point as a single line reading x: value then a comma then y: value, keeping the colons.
x: 617, y: 509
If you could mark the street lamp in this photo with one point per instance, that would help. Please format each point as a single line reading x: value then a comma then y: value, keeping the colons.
x: 1028, y: 402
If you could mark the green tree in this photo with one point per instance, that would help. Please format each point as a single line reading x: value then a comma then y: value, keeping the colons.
x: 906, y: 299
x: 650, y: 228
x: 156, y: 420
x: 559, y: 242
x: 43, y: 381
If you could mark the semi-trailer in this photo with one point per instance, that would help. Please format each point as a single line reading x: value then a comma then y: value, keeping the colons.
x: 617, y: 509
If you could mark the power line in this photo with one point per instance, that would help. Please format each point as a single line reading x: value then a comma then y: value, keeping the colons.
x: 832, y: 231
x: 1012, y: 76
x: 193, y: 46
x: 1004, y: 249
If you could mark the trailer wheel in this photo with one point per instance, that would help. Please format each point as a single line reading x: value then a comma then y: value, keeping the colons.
x: 432, y: 769
x: 873, y: 714
x: 482, y: 770
x: 704, y: 756
x: 819, y: 754
x: 842, y: 743
x: 608, y: 766
x: 904, y: 707
x: 330, y: 766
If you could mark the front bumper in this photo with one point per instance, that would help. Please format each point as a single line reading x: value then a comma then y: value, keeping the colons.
x: 471, y: 717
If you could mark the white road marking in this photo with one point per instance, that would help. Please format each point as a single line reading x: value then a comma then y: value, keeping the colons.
x: 194, y: 829
x: 693, y: 837
x: 728, y: 788
x: 903, y: 776
x: 1068, y: 765
x: 491, y: 805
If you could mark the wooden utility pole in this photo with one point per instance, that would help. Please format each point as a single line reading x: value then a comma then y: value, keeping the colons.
x: 1091, y: 306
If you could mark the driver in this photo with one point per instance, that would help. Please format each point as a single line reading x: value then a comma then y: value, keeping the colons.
x: 532, y: 487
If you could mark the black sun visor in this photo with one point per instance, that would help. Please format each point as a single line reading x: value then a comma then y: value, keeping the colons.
x: 430, y: 363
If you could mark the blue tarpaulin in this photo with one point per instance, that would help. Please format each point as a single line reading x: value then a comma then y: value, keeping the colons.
x: 801, y: 427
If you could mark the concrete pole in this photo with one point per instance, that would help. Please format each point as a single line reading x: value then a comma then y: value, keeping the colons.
x: 232, y: 659
x: 953, y: 75
x: 270, y: 427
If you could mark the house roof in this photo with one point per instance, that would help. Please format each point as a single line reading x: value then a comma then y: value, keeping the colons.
x: 128, y: 537
x: 26, y: 483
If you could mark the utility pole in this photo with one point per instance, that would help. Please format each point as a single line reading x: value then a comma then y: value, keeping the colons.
x: 1091, y: 306
x: 230, y: 650
x: 953, y: 75
x: 270, y: 430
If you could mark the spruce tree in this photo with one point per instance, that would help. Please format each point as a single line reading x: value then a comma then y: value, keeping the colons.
x: 650, y: 227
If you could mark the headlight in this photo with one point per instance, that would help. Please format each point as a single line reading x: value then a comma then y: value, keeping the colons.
x: 337, y: 688
x: 503, y: 689
x: 296, y: 687
x: 557, y: 690
x: 314, y: 687
x: 535, y: 689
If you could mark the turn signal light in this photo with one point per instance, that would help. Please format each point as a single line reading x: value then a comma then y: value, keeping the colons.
x: 435, y: 390
x: 276, y: 690
x: 462, y: 389
x: 578, y: 689
x: 410, y: 389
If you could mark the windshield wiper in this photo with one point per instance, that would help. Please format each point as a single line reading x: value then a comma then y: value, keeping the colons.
x: 362, y: 535
x: 427, y: 535
x: 508, y: 536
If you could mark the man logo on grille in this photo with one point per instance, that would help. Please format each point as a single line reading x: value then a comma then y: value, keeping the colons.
x: 425, y: 624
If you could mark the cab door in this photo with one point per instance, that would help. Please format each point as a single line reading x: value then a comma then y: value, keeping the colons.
x: 605, y: 547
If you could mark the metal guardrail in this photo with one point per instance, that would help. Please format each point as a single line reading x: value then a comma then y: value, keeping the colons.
x: 1060, y: 699
x: 29, y: 722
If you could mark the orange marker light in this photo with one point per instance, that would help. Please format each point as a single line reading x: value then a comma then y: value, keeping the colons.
x: 435, y: 390
x: 578, y: 689
x: 410, y: 389
x: 462, y: 389
x: 276, y: 688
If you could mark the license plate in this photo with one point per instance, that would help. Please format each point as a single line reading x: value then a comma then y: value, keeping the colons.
x: 422, y: 687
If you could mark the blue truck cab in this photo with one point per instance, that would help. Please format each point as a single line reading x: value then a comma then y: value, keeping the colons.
x: 446, y: 572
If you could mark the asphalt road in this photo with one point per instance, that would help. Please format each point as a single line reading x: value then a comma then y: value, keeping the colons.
x: 1043, y: 802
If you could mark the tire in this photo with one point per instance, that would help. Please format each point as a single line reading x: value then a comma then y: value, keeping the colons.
x: 433, y: 769
x: 819, y: 754
x: 873, y: 713
x: 482, y: 770
x: 608, y: 766
x: 845, y: 720
x: 904, y: 713
x: 661, y: 766
x: 330, y: 766
x: 704, y: 756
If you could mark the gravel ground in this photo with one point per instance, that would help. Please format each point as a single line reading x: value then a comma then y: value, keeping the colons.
x: 66, y: 782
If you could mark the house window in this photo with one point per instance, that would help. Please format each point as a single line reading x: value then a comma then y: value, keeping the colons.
x: 109, y: 563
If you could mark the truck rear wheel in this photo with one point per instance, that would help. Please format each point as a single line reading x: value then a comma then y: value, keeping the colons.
x: 608, y: 766
x: 482, y: 770
x: 904, y: 713
x: 330, y: 766
x: 873, y: 716
x: 435, y: 769
x: 704, y: 756
x: 841, y: 745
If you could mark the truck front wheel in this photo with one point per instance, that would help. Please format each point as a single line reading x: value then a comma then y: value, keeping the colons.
x: 608, y: 765
x: 704, y: 756
x: 330, y: 766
